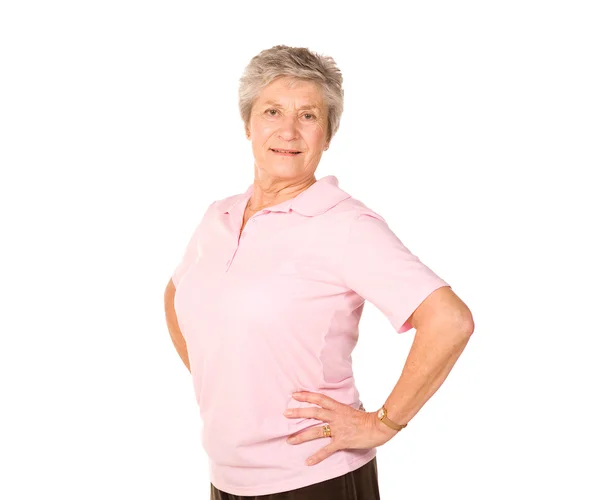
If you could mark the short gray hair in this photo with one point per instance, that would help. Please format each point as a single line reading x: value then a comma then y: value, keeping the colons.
x: 297, y: 63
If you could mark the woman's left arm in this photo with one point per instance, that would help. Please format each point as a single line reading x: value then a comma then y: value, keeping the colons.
x: 443, y: 325
x: 379, y: 268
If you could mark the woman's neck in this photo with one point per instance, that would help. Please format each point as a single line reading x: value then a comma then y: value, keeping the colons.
x: 268, y: 194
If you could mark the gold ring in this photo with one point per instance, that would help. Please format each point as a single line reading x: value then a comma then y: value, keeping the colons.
x: 326, y: 431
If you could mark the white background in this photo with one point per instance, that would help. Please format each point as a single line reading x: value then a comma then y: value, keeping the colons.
x: 472, y: 127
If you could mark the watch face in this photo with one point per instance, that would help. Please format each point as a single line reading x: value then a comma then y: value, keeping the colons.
x: 381, y: 413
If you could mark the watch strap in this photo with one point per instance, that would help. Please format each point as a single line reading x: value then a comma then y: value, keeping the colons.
x: 382, y: 415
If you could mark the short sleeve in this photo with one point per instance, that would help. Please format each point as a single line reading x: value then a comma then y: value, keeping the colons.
x: 378, y: 267
x: 191, y: 252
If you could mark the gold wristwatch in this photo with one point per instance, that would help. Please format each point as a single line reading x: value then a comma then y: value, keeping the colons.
x: 382, y: 415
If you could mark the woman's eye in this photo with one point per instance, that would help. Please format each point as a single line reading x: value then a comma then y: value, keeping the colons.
x: 309, y: 115
x: 271, y: 112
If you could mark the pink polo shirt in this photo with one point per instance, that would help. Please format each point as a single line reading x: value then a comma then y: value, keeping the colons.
x: 277, y: 310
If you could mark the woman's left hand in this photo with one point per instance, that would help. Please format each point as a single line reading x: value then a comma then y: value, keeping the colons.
x: 350, y: 428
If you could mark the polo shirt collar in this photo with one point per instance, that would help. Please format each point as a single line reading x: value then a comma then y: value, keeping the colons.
x: 315, y: 200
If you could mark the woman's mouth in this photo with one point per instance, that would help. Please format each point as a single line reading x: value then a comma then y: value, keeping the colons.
x: 286, y: 152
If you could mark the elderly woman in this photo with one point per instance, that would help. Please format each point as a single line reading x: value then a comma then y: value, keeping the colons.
x: 264, y: 306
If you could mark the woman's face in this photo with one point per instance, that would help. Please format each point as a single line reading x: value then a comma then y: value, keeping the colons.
x: 292, y: 118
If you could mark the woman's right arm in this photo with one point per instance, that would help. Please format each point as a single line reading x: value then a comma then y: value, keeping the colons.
x: 173, y: 325
x: 190, y: 255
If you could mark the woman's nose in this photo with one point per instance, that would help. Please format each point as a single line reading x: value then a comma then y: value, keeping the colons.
x: 289, y: 127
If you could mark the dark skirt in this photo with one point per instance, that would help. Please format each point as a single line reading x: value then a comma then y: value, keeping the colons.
x: 359, y: 484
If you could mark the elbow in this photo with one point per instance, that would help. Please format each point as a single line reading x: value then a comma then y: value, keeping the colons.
x: 465, y: 324
x: 459, y: 323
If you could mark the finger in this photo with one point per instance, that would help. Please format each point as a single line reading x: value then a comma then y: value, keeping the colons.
x: 322, y: 454
x: 317, y: 398
x: 314, y: 412
x: 315, y: 432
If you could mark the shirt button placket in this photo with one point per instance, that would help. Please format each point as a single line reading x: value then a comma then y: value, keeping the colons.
x: 243, y: 235
x: 230, y: 261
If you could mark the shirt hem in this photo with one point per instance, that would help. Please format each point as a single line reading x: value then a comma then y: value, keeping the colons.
x: 301, y: 480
